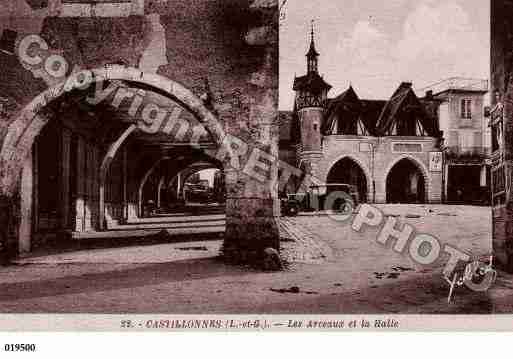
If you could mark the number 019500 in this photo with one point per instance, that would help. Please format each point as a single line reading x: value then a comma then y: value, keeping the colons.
x: 20, y: 347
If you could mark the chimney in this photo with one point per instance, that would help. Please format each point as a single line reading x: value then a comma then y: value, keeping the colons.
x: 429, y: 95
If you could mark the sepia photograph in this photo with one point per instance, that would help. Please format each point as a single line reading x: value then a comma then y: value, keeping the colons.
x: 249, y: 165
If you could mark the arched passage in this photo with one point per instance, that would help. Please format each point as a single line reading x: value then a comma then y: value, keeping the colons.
x: 200, y: 186
x: 348, y: 171
x: 33, y: 117
x: 406, y: 183
x: 164, y: 183
x: 103, y: 142
x: 143, y: 182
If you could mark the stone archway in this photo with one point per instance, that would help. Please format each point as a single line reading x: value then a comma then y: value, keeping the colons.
x: 32, y: 118
x: 143, y: 182
x: 349, y: 170
x: 29, y: 122
x: 406, y: 181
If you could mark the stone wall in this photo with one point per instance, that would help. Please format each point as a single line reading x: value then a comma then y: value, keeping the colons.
x: 502, y: 93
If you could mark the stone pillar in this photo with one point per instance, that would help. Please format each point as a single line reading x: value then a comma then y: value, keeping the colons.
x: 179, y: 185
x: 25, y: 228
x: 482, y: 179
x: 35, y: 192
x: 502, y: 124
x: 381, y: 189
x: 446, y: 181
x: 125, y: 184
x: 80, y: 178
x: 88, y: 187
x: 159, y: 190
x: 251, y: 216
x: 95, y: 186
x: 65, y: 177
x: 8, y: 224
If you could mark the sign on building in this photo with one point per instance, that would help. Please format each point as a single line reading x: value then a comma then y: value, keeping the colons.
x: 435, y: 162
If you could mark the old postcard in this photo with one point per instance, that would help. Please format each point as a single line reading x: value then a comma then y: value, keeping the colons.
x: 255, y: 165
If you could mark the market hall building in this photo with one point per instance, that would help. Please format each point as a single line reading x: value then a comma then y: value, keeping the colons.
x: 390, y: 149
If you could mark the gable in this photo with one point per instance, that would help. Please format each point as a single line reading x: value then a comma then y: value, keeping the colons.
x: 342, y: 111
x: 405, y: 111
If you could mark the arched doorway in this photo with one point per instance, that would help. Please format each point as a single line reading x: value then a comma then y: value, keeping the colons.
x: 348, y: 171
x: 183, y: 185
x: 405, y: 183
x: 204, y: 189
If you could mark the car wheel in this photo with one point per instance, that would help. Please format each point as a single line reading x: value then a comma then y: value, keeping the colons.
x: 293, y: 210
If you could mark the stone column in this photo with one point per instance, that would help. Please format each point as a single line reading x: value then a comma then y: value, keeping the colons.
x: 159, y: 190
x: 381, y: 188
x: 125, y: 184
x: 178, y: 185
x: 25, y: 228
x: 482, y: 179
x: 502, y: 158
x: 8, y: 223
x: 65, y: 177
x: 80, y: 178
x: 35, y: 192
x: 446, y: 181
x: 252, y: 234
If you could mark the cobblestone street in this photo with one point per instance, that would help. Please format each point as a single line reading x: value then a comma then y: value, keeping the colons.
x: 331, y: 270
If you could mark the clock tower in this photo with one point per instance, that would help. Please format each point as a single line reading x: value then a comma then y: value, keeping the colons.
x: 311, y: 94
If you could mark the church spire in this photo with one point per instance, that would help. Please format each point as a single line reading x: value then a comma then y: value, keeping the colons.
x: 312, y: 54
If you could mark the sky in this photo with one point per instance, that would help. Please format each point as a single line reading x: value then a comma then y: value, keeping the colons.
x: 375, y: 44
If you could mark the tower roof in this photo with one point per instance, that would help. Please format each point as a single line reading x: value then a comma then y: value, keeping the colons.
x: 312, y: 82
x: 312, y: 52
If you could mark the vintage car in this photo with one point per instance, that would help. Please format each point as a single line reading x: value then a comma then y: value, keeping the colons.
x: 343, y: 197
x: 291, y: 204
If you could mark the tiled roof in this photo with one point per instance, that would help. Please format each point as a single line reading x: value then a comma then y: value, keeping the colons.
x: 371, y: 110
x: 346, y: 101
x: 387, y: 116
x: 402, y: 96
x: 377, y: 116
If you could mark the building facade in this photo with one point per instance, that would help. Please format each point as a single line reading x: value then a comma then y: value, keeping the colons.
x: 389, y: 149
x: 467, y: 145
